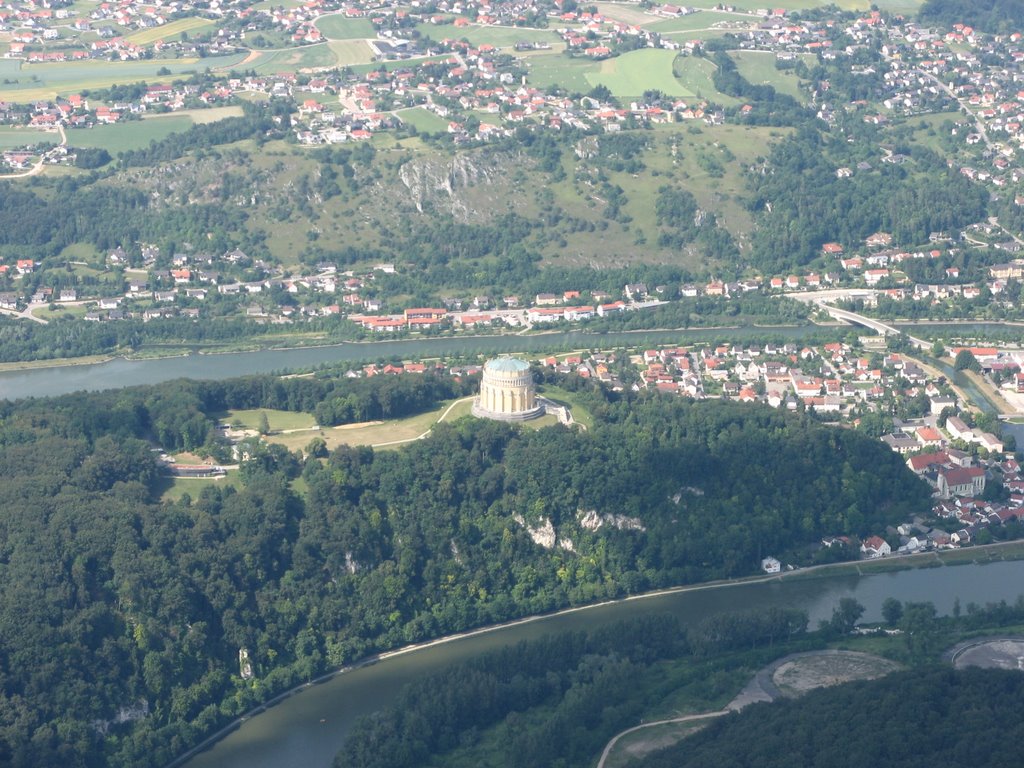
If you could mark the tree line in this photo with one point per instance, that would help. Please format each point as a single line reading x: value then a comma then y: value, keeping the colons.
x: 110, y: 595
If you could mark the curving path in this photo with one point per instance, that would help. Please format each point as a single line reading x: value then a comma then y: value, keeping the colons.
x: 422, y: 435
x: 686, y: 719
x: 761, y: 688
x: 36, y: 169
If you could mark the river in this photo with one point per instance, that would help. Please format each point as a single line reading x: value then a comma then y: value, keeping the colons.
x: 306, y: 730
x: 118, y: 373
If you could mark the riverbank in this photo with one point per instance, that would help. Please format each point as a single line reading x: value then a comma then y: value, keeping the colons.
x: 321, y: 342
x: 61, y: 362
x: 1003, y: 551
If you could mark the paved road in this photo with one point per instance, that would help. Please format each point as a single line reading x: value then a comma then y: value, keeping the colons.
x: 26, y: 314
x: 36, y: 169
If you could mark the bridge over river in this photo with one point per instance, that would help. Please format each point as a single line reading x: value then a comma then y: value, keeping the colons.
x: 821, y: 299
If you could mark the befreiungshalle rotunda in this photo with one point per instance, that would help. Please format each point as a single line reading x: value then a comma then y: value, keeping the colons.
x: 507, y: 392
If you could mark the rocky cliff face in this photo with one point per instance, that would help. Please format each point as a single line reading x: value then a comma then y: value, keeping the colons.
x: 466, y: 185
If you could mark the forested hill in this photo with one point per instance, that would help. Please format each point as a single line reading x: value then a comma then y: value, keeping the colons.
x: 803, y: 204
x: 992, y: 16
x: 110, y: 598
x: 957, y: 719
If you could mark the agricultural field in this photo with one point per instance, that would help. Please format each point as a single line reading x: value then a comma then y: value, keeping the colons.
x: 349, y: 52
x: 423, y: 120
x: 14, y: 138
x: 34, y: 82
x: 268, y: 4
x: 170, y: 31
x: 554, y: 69
x: 758, y: 67
x: 633, y: 73
x: 131, y: 135
x: 295, y: 59
x: 628, y: 13
x: 390, y: 66
x: 703, y: 21
x: 629, y: 75
x: 338, y: 27
x: 499, y: 37
x: 199, y: 116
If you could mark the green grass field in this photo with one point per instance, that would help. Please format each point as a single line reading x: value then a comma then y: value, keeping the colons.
x: 400, y: 64
x: 170, y: 31
x: 373, y: 433
x: 694, y: 74
x: 564, y: 397
x: 59, y: 311
x: 14, y: 138
x: 135, y: 134
x: 81, y: 252
x: 633, y: 73
x: 705, y: 20
x: 45, y: 81
x: 550, y: 69
x: 339, y: 27
x: 306, y: 57
x: 173, y: 488
x: 928, y: 129
x: 758, y: 68
x: 423, y: 120
x: 199, y: 116
x: 499, y: 37
x: 268, y: 4
x: 278, y: 420
x: 628, y: 13
x: 349, y: 52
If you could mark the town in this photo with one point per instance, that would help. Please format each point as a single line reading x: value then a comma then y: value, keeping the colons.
x: 479, y: 92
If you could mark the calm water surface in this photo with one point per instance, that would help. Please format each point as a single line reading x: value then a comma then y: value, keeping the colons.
x: 48, y: 382
x: 291, y: 734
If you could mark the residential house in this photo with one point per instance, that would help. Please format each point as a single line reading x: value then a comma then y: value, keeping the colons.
x: 875, y: 546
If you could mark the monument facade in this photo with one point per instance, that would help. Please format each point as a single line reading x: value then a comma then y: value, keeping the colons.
x: 507, y: 391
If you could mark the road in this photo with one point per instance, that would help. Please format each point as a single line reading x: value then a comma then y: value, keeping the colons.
x: 36, y: 169
x: 821, y: 299
x: 978, y: 124
x: 685, y: 719
x: 26, y: 314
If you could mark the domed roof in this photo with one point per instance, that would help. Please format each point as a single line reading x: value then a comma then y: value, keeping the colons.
x: 507, y: 365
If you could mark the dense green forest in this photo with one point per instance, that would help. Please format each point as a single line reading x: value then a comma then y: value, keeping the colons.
x: 110, y: 597
x: 558, y: 700
x: 554, y: 701
x: 961, y: 719
x: 801, y: 203
x: 21, y: 340
x: 993, y: 16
